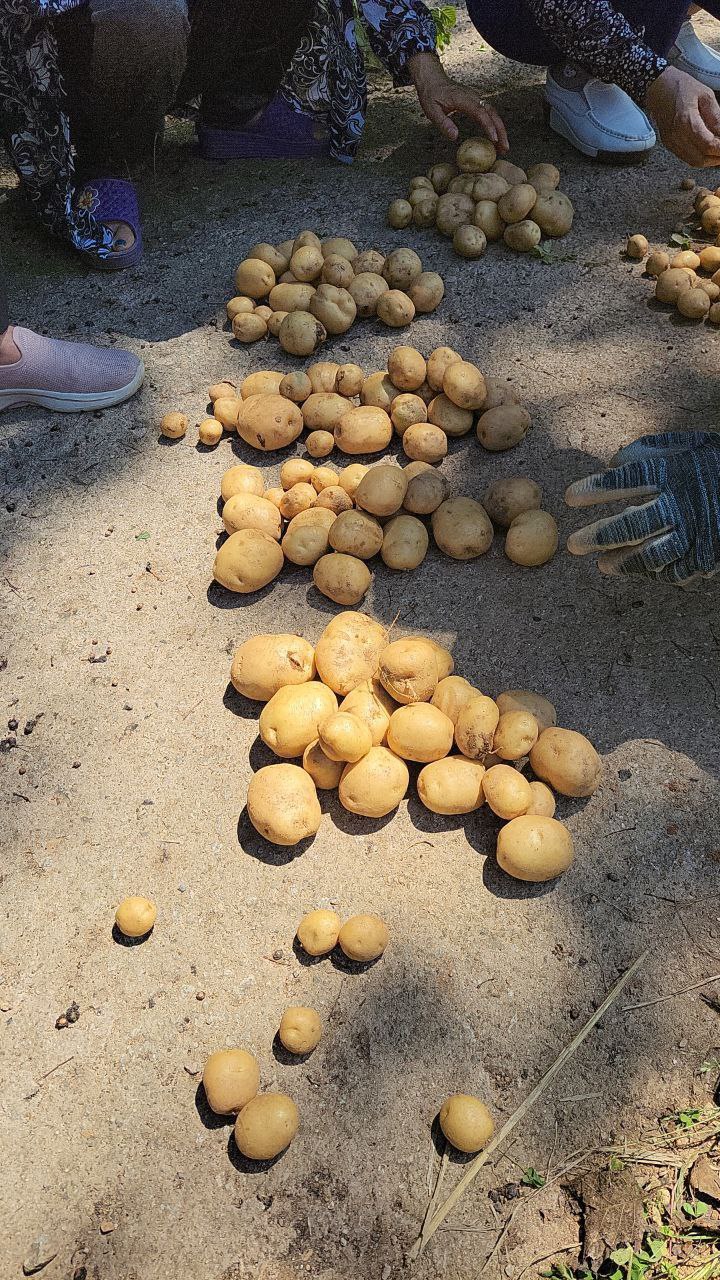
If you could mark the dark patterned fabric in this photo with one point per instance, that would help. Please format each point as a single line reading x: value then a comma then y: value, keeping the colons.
x: 597, y: 38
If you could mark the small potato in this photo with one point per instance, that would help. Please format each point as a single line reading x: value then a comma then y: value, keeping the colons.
x: 510, y: 497
x: 345, y: 737
x: 466, y: 1122
x: 249, y: 328
x: 274, y: 495
x: 254, y: 278
x: 637, y: 247
x: 406, y: 368
x: 323, y: 410
x: 379, y: 390
x: 371, y: 704
x: 426, y: 292
x: 375, y: 785
x: 174, y: 425
x: 241, y: 479
x: 266, y: 663
x: 269, y: 422
x: 544, y: 177
x: 709, y: 287
x: 475, y: 726
x: 299, y: 497
x: 658, y: 262
x: 567, y: 761
x: 273, y: 254
x: 231, y: 1078
x: 282, y: 804
x: 503, y: 428
x: 517, y: 203
x: 334, y: 498
x: 364, y: 429
x: 296, y: 471
x: 135, y: 917
x: 247, y: 561
x: 307, y: 536
x: 356, y: 534
x: 694, y: 304
x: 453, y: 211
x: 525, y: 700
x: 714, y: 313
x: 337, y: 271
x: 291, y: 719
x: 210, y: 431
x: 489, y: 186
x: 463, y: 185
x: 366, y: 291
x: 335, y: 308
x: 318, y: 932
x: 351, y: 476
x: 507, y: 791
x: 264, y: 382
x: 364, y: 938
x: 670, y: 284
x: 461, y: 528
x: 382, y: 490
x: 405, y: 543
x: 323, y: 375
x: 406, y: 411
x: 512, y: 173
x: 534, y: 848
x: 464, y: 384
x: 441, y: 175
x: 452, y: 785
x: 399, y: 214
x: 425, y: 442
x: 238, y: 306
x: 246, y: 511
x: 300, y: 1029
x: 306, y: 239
x: 469, y: 241
x: 320, y: 444
x: 349, y: 380
x: 274, y: 322
x: 542, y: 804
x: 291, y: 297
x: 553, y: 213
x: 686, y: 258
x: 401, y: 268
x: 296, y: 386
x: 499, y: 391
x: 301, y: 333
x: 437, y: 365
x: 323, y: 477
x: 452, y: 694
x: 516, y: 734
x: 395, y: 309
x: 408, y: 670
x: 420, y: 732
x: 266, y: 1126
x: 446, y: 415
x: 523, y: 236
x: 710, y: 258
x: 339, y: 246
x: 425, y: 211
x: 532, y: 538
x: 425, y: 492
x: 348, y: 651
x: 264, y: 312
x: 475, y: 155
x: 222, y: 391
x: 372, y: 260
x: 344, y: 579
x: 487, y: 219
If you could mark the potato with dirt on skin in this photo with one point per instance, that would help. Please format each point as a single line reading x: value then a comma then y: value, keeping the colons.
x: 710, y: 288
x: 567, y: 761
x: 405, y: 543
x: 266, y: 1126
x: 291, y: 297
x: 318, y: 932
x: 475, y: 726
x: 499, y: 391
x: 246, y: 511
x: 364, y: 429
x: 334, y: 308
x: 407, y: 409
x: 686, y: 258
x: 426, y: 292
x: 282, y: 804
x: 349, y: 380
x: 516, y: 735
x: 424, y: 442
x: 544, y: 177
x: 266, y: 663
x: 466, y: 1122
x: 402, y: 266
x: 487, y: 219
x: 337, y: 271
x: 374, y: 706
x: 437, y: 363
x: 510, y: 497
x: 710, y: 258
x: 269, y: 422
x: 637, y: 247
x: 231, y: 1077
x: 462, y: 529
x: 395, y: 309
x: 475, y: 155
x: 512, y: 173
x: 264, y: 382
x: 241, y: 479
x: 323, y: 477
x: 453, y: 210
x: 408, y: 670
x: 375, y: 785
x: 320, y: 444
x: 542, y: 804
x: 379, y: 390
x: 507, y: 791
x: 334, y: 498
x: 296, y: 386
x: 355, y: 533
x: 372, y: 260
x: 425, y: 211
x: 238, y: 306
x: 420, y: 732
x: 446, y: 415
x: 296, y: 471
x: 248, y: 561
x: 425, y: 492
x: 399, y: 214
x: 366, y: 291
x: 174, y: 425
x: 381, y: 490
x: 658, y: 262
x: 452, y: 785
x: 532, y: 539
x: 299, y: 497
x: 350, y: 477
x: 553, y: 213
x: 323, y: 410
x: 274, y: 254
x: 406, y: 368
x: 135, y: 917
x: 489, y: 186
x: 210, y: 431
x: 301, y: 333
x: 671, y: 283
x: 517, y: 203
x: 714, y: 313
x: 469, y: 241
x: 306, y: 538
x: 223, y: 391
x: 534, y: 848
x: 305, y: 239
x: 249, y: 328
x: 363, y: 938
x: 523, y: 236
x: 340, y: 246
x: 344, y: 579
x: 694, y: 304
x: 464, y: 384
x: 300, y: 1029
x: 348, y: 651
x: 452, y: 694
x: 274, y: 495
x: 325, y: 773
x: 345, y: 737
x: 441, y: 175
x: 254, y: 278
x: 503, y: 428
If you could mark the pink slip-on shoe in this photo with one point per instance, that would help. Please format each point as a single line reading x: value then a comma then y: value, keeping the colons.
x: 68, y: 377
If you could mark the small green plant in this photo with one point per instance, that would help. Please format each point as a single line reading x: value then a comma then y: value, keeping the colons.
x: 682, y: 239
x: 694, y: 1208
x: 687, y: 1118
x: 531, y: 1178
x: 548, y: 258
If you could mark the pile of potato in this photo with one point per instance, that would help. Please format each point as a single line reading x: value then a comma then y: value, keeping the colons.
x: 480, y: 198
x: 304, y: 289
x: 678, y: 281
x: 356, y: 710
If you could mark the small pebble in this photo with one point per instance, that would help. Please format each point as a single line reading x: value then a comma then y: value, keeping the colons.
x: 182, y: 887
x: 12, y: 723
x: 113, y: 684
x: 127, y: 706
x: 106, y: 1226
x: 192, y: 1068
x: 277, y: 954
x: 76, y: 764
x: 199, y: 995
x: 22, y: 769
x: 61, y: 1022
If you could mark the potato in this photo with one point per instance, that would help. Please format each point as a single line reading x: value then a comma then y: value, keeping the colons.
x: 425, y: 442
x: 714, y: 313
x: 242, y: 479
x: 543, y: 177
x: 452, y: 785
x: 381, y: 490
x: 266, y: 663
x: 487, y: 219
x: 507, y: 791
x: 364, y: 938
x: 553, y: 213
x: 406, y: 410
x: 307, y: 239
x: 375, y: 785
x: 708, y: 286
x: 516, y: 733
x: 401, y: 268
x: 174, y: 425
x: 475, y: 155
x: 686, y: 258
x: 525, y: 700
x: 461, y: 528
x: 710, y: 258
x: 349, y: 380
x: 405, y: 543
x: 135, y: 917
x: 334, y: 498
x: 406, y: 368
x: 306, y: 263
x: 348, y: 651
x: 499, y: 391
x: 296, y: 386
x: 337, y: 271
x: 366, y: 291
x: 247, y: 561
x: 510, y: 497
x: 464, y: 384
x: 323, y: 410
x: 345, y: 737
x: 269, y: 422
x: 446, y: 415
x: 307, y: 536
x: 334, y: 308
x: 694, y: 304
x: 266, y: 1126
x: 274, y: 322
x: 452, y: 694
x: 238, y: 306
x: 222, y: 391
x: 300, y: 1029
x: 296, y: 471
x: 291, y: 719
x: 318, y: 932
x: 426, y: 292
x: 351, y: 476
x: 320, y: 444
x: 425, y: 492
x: 323, y: 477
x: 408, y: 670
x: 371, y: 704
x: 274, y: 255
x: 453, y: 211
x: 364, y: 429
x: 291, y: 297
x: 379, y: 390
x: 264, y: 312
x: 512, y: 173
x: 357, y: 534
x: 522, y: 236
x: 325, y: 773
x: 339, y: 246
x: 264, y: 382
x: 254, y: 278
x: 443, y: 657
x: 287, y: 277
x: 441, y: 175
x: 532, y: 538
x: 466, y: 1122
x: 301, y: 333
x: 489, y: 186
x: 503, y: 427
x: 299, y: 497
x: 567, y: 761
x: 437, y: 364
x: 231, y: 1078
x: 282, y: 803
x: 710, y: 220
x: 395, y: 309
x: 420, y: 732
x: 342, y: 578
x: 469, y: 241
x: 637, y: 247
x: 534, y: 848
x: 399, y: 214
x: 247, y: 511
x: 670, y: 284
x: 658, y: 262
x: 249, y: 328
x: 542, y: 804
x: 517, y: 203
x: 370, y: 260
x: 475, y: 726
x: 210, y: 430
x: 424, y: 210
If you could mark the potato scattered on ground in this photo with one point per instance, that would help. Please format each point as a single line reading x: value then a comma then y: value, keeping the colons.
x: 135, y: 917
x: 466, y: 1122
x: 266, y: 1126
x: 678, y: 274
x: 231, y: 1078
x: 300, y: 1029
x: 364, y: 938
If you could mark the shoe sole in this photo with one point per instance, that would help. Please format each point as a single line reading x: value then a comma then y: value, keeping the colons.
x: 70, y: 401
x: 561, y: 126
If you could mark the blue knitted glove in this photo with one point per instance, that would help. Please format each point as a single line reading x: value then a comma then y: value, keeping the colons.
x: 674, y: 538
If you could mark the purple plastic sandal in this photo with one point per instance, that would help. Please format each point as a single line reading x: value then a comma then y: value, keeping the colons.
x: 277, y: 133
x: 112, y: 200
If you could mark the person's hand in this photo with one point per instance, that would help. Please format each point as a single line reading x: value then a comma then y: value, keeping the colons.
x: 441, y: 98
x: 674, y: 538
x: 687, y: 116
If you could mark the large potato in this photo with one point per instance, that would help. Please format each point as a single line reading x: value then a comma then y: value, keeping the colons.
x: 532, y: 538
x: 534, y: 848
x: 567, y: 761
x: 420, y: 732
x: 254, y: 278
x: 291, y: 719
x: 301, y: 333
x: 323, y: 410
x: 306, y: 263
x: 408, y: 669
x: 307, y: 536
x: 475, y: 155
x: 269, y: 422
x: 264, y: 382
x: 544, y: 177
x: 470, y: 241
x: 266, y: 663
x: 348, y: 651
x: 425, y: 491
x: 247, y: 511
x: 509, y: 497
x: 453, y: 785
x: 461, y: 528
x: 379, y: 390
x: 525, y: 700
x: 291, y: 297
x: 517, y: 203
x: 282, y: 804
x: 424, y: 442
x: 231, y: 1077
x: 489, y: 186
x: 475, y: 726
x: 381, y: 490
x: 401, y: 268
x: 242, y: 479
x: 553, y: 213
x: 426, y: 292
x: 364, y: 429
x: 446, y: 415
x: 516, y: 735
x: 375, y: 785
x: 503, y: 427
x: 374, y: 706
x: 366, y: 290
x: 247, y: 561
x: 356, y: 534
x: 266, y: 1126
x: 452, y: 694
x: 453, y: 211
x: 335, y: 308
x: 405, y: 543
x: 344, y: 579
x: 507, y: 791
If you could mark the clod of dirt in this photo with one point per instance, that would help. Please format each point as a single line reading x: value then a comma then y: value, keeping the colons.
x: 39, y: 1255
x: 613, y: 1208
x: 705, y: 1179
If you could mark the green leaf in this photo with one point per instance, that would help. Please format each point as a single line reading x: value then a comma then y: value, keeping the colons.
x: 531, y: 1178
x: 695, y: 1208
x: 681, y: 238
x: 615, y: 1164
x: 445, y: 18
x: 142, y: 537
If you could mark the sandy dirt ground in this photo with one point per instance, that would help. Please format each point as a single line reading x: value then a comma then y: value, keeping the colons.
x: 133, y: 778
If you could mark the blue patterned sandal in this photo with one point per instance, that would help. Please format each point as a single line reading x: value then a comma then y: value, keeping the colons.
x: 112, y: 200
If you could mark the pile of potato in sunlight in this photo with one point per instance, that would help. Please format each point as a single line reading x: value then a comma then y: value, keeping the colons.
x: 689, y: 279
x: 480, y: 198
x: 401, y: 704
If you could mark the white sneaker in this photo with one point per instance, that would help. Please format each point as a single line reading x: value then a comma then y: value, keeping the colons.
x: 690, y: 54
x: 597, y: 118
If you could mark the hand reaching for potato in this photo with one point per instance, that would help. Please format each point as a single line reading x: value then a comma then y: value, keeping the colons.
x: 687, y: 117
x: 441, y: 98
x: 674, y: 538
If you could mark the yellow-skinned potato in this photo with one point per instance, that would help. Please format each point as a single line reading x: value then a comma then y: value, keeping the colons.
x: 475, y: 155
x: 420, y: 732
x: 237, y: 306
x: 464, y: 385
x: 475, y: 726
x: 437, y: 364
x: 443, y: 658
x: 350, y: 477
x: 364, y: 938
x: 323, y: 410
x: 291, y: 297
x: 406, y: 410
x: 231, y: 1077
x: 349, y: 380
x: 372, y: 260
x: 323, y: 375
x: 325, y: 773
x: 553, y: 213
x: 408, y: 670
x: 264, y: 382
x: 567, y: 761
x: 466, y: 1122
x: 544, y: 177
x: 498, y: 391
x: 395, y: 309
x: 254, y: 278
x: 424, y: 442
x: 291, y: 719
x: 227, y: 411
x: 453, y: 210
x: 406, y: 368
x: 174, y: 425
x: 379, y: 391
x: 274, y: 321
x: 405, y: 543
x: 523, y: 236
x: 318, y: 932
x: 637, y: 247
x: 658, y: 262
x: 512, y: 173
x: 282, y: 804
x: 296, y: 471
x: 135, y: 916
x: 273, y: 254
x: 371, y: 704
x: 534, y: 848
x: 246, y: 511
x: 344, y: 579
x: 399, y: 214
x: 306, y: 263
x: 446, y: 415
x: 249, y: 328
x: 469, y: 241
x: 503, y: 427
x: 306, y: 538
x: 402, y: 266
x: 542, y: 804
x: 355, y: 533
x: 299, y: 497
x: 366, y: 290
x: 301, y: 333
x: 516, y: 735
x: 507, y: 791
x: 532, y: 538
x: 266, y: 663
x: 296, y: 386
x: 461, y: 528
x: 300, y: 1029
x: 334, y: 498
x: 694, y: 304
x: 242, y: 479
x: 269, y: 422
x: 452, y: 785
x: 510, y: 497
x: 487, y: 219
x: 306, y: 239
x: 452, y: 694
x: 381, y: 490
x: 686, y: 258
x: 266, y: 1126
x: 337, y: 271
x: 463, y: 184
x: 210, y: 430
x: 517, y: 202
x: 425, y: 492
x: 375, y: 785
x: 710, y: 258
x: 225, y: 390
x: 323, y: 477
x: 526, y: 700
x: 345, y: 737
x: 335, y: 308
x: 489, y: 186
x: 714, y: 313
x: 426, y: 292
x: 247, y: 561
x: 441, y: 175
x: 671, y: 283
x: 364, y: 429
x: 348, y: 651
x: 339, y: 245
